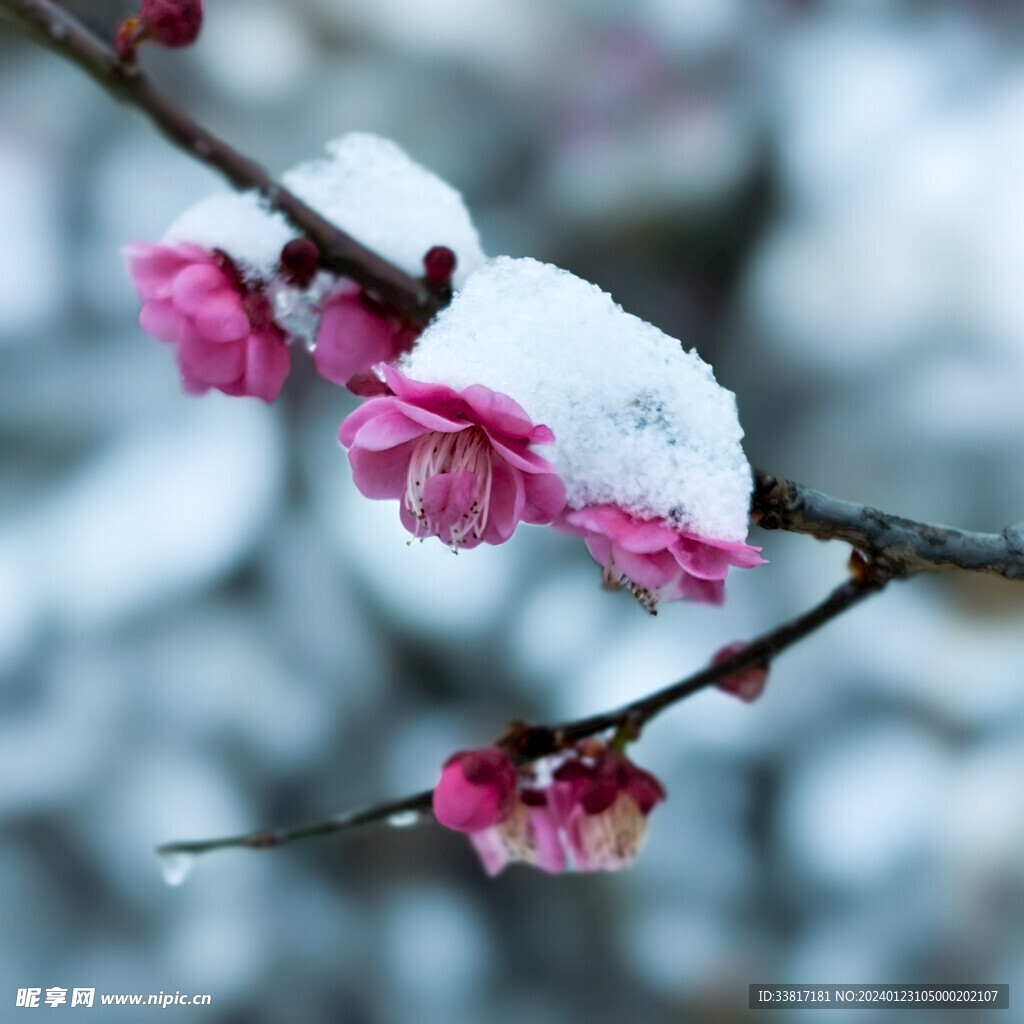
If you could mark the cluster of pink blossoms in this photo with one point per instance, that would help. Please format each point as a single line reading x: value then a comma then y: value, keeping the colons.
x: 588, y: 812
x: 222, y: 323
x: 531, y: 398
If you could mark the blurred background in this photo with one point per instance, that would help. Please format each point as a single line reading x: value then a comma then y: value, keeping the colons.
x: 205, y: 629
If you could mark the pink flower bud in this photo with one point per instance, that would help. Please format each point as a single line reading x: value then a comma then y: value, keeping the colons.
x: 476, y: 790
x: 747, y: 684
x: 172, y: 23
x: 355, y: 335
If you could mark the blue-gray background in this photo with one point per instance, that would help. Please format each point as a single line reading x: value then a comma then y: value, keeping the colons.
x: 204, y: 629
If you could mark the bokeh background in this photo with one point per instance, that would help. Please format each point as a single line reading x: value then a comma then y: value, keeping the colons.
x: 204, y: 629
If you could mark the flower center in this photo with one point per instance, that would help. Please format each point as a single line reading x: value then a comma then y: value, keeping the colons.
x: 448, y: 490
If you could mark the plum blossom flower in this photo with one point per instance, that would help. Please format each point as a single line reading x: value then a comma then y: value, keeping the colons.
x: 461, y: 462
x: 602, y: 806
x: 222, y: 326
x: 653, y: 558
x: 355, y: 335
x: 591, y: 814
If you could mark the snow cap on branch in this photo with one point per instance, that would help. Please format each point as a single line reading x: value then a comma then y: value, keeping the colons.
x: 368, y: 187
x: 638, y: 422
x: 645, y: 440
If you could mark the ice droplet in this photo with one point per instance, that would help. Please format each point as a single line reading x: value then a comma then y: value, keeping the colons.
x: 176, y: 866
x: 403, y: 819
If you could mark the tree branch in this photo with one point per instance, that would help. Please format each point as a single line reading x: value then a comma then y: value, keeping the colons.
x: 902, y: 547
x: 529, y: 742
x: 55, y: 28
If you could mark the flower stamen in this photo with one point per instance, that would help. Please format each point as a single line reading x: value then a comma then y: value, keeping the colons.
x: 458, y: 453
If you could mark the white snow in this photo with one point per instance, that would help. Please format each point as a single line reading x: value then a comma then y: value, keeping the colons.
x: 240, y: 224
x: 371, y: 188
x: 368, y: 187
x: 638, y: 421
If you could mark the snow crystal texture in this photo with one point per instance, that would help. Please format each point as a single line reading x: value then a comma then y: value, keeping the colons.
x: 368, y: 187
x: 241, y: 225
x: 638, y: 421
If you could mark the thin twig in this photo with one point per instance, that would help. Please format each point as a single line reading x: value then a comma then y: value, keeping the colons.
x: 527, y: 743
x: 902, y: 547
x: 412, y: 806
x: 55, y: 28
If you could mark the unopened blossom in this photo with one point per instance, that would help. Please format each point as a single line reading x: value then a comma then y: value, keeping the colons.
x: 653, y: 558
x: 587, y: 810
x: 748, y: 684
x: 172, y: 22
x: 602, y: 805
x: 223, y: 328
x: 356, y: 334
x: 476, y: 790
x: 461, y: 463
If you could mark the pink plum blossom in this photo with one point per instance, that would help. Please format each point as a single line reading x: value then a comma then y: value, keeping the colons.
x: 355, y: 335
x: 602, y: 805
x: 656, y: 560
x: 590, y: 814
x: 223, y: 328
x: 461, y: 463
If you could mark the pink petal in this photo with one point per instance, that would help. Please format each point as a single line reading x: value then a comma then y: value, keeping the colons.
x: 650, y: 571
x: 267, y: 365
x: 221, y: 317
x: 447, y: 498
x: 491, y: 848
x: 497, y: 411
x: 517, y: 452
x: 432, y: 419
x: 439, y: 398
x: 545, y: 497
x: 194, y: 286
x: 161, y: 320
x: 389, y: 427
x: 351, y: 425
x: 550, y: 853
x: 351, y: 339
x: 507, y: 500
x: 207, y: 362
x: 153, y: 268
x: 381, y: 474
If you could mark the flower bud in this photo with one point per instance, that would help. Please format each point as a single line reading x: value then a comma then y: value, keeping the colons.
x: 476, y: 790
x: 747, y: 684
x: 171, y: 22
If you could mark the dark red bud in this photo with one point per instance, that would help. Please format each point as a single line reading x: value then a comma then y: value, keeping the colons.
x: 299, y: 261
x: 172, y: 22
x: 439, y: 264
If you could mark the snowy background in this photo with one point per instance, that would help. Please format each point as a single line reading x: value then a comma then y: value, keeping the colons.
x: 204, y: 629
